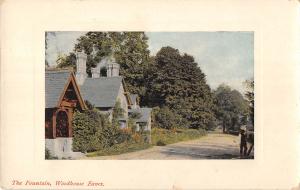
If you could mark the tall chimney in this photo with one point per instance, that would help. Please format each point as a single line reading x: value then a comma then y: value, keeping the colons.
x: 112, y: 68
x: 95, y: 72
x: 81, y: 67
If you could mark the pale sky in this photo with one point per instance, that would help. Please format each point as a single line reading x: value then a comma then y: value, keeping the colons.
x: 225, y: 57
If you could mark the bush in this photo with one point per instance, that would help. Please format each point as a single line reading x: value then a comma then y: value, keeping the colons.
x: 93, y: 131
x: 118, y: 112
x: 48, y: 155
x: 160, y: 143
x: 124, y: 136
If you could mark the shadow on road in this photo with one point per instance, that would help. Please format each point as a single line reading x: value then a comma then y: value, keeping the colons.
x: 191, y: 155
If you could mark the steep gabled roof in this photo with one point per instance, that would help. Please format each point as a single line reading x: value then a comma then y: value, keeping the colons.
x: 101, y: 92
x: 56, y: 83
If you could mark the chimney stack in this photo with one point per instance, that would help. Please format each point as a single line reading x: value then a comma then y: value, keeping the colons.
x: 81, y: 67
x: 112, y: 68
x: 95, y: 72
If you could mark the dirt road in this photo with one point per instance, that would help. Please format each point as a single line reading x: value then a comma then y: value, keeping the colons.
x: 212, y: 146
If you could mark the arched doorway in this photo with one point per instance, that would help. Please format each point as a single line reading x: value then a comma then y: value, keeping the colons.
x: 62, y: 124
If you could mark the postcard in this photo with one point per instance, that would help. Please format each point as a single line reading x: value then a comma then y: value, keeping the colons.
x: 133, y: 95
x: 150, y: 95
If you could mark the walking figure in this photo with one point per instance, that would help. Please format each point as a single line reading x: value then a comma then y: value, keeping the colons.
x: 250, y: 140
x: 243, y: 143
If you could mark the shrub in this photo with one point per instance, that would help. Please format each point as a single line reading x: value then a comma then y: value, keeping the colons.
x: 124, y: 136
x: 131, y: 124
x: 48, y: 155
x: 118, y: 112
x: 160, y: 143
x: 83, y: 131
x: 136, y: 137
x: 93, y: 131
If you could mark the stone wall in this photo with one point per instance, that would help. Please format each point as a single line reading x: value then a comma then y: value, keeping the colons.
x: 61, y: 147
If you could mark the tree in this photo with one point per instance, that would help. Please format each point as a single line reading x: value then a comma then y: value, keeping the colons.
x: 130, y: 50
x: 165, y: 118
x: 68, y: 61
x: 230, y: 107
x: 250, y: 97
x: 177, y: 82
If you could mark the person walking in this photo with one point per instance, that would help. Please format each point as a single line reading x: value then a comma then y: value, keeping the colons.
x: 250, y: 140
x: 243, y: 142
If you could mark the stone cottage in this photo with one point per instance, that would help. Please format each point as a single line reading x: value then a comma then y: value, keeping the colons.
x: 106, y: 87
x: 66, y: 91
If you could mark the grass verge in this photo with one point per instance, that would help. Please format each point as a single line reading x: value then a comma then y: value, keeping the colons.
x: 120, y: 149
x: 161, y: 137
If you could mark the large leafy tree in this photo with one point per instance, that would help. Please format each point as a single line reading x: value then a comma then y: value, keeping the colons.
x: 130, y: 50
x: 176, y: 81
x: 250, y: 98
x: 231, y: 107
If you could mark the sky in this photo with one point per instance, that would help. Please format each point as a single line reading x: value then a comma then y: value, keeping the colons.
x: 224, y: 57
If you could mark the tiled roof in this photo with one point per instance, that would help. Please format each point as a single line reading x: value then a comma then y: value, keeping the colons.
x: 55, y: 82
x: 101, y: 92
x: 145, y: 114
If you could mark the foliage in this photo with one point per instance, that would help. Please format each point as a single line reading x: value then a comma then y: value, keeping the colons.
x: 124, y: 136
x: 66, y: 61
x: 120, y: 149
x: 130, y: 50
x: 230, y: 108
x: 135, y: 115
x: 132, y: 118
x: 250, y: 98
x: 176, y: 81
x: 161, y: 137
x: 160, y: 143
x: 93, y: 131
x: 166, y: 118
x: 118, y: 112
x: 48, y: 155
x: 131, y: 124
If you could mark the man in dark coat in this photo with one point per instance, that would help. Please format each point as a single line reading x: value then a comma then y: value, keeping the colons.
x: 250, y: 140
x: 243, y: 142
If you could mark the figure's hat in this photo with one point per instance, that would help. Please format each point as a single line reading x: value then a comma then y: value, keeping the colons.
x: 243, y: 127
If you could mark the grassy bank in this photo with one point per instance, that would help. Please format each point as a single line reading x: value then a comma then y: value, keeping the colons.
x: 120, y: 149
x: 161, y: 137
